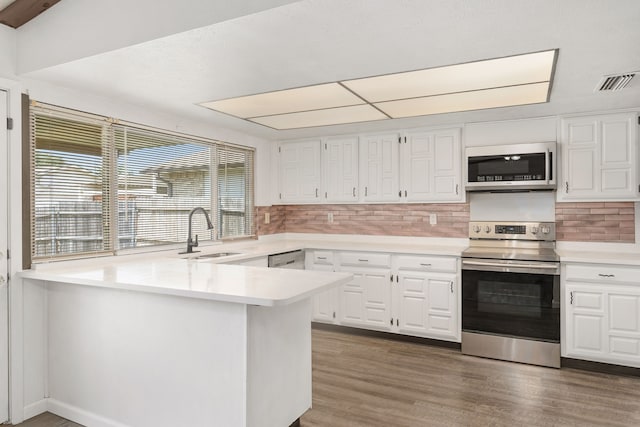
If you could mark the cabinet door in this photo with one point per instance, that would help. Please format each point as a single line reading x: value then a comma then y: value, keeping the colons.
x: 441, y: 306
x: 617, y: 155
x: 427, y: 304
x: 447, y: 170
x: 585, y: 321
x: 325, y: 303
x: 299, y: 167
x: 366, y: 300
x: 599, y: 158
x: 341, y: 169
x: 379, y: 167
x: 418, y: 167
x: 431, y: 166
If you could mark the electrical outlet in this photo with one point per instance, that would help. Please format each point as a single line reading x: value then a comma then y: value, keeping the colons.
x: 433, y: 219
x: 267, y: 217
x: 330, y: 218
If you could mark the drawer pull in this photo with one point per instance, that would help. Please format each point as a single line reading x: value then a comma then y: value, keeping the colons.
x: 322, y: 257
x: 363, y: 260
x: 425, y: 265
x: 607, y: 275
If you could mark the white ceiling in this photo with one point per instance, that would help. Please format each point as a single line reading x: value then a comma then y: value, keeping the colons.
x: 317, y: 41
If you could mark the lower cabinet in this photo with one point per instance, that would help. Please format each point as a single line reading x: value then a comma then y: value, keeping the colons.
x: 602, y: 313
x: 407, y: 294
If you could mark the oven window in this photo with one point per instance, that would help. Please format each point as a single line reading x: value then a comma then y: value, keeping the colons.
x: 513, y: 304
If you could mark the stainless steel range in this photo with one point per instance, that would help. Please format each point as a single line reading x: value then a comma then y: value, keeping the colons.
x: 511, y: 292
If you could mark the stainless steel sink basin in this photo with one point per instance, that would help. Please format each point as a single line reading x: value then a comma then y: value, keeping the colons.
x: 215, y: 255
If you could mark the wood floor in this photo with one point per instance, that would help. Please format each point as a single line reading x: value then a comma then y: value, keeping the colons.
x: 371, y: 381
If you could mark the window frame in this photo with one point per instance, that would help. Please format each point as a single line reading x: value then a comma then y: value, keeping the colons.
x: 109, y: 176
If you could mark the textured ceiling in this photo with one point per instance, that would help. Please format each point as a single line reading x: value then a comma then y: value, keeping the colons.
x: 317, y: 41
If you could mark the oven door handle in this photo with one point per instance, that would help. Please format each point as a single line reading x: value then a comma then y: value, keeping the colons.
x: 497, y: 264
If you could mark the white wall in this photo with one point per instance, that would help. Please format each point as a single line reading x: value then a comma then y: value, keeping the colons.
x: 8, y: 43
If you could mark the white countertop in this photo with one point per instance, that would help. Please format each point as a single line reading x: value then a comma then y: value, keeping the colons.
x: 600, y: 257
x: 194, y: 279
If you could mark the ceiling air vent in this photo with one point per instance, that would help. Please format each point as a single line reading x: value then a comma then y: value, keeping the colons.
x: 616, y: 82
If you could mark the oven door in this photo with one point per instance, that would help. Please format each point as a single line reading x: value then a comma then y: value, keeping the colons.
x: 519, y: 299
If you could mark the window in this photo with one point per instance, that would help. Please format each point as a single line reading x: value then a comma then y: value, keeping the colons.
x: 98, y: 186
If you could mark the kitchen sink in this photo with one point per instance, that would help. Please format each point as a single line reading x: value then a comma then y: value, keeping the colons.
x: 215, y: 255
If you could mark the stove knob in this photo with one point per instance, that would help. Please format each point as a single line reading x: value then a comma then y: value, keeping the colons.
x: 545, y: 229
x: 476, y: 228
x: 487, y: 229
x: 534, y: 230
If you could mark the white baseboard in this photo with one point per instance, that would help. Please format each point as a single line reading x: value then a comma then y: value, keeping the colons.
x: 69, y: 412
x: 35, y: 408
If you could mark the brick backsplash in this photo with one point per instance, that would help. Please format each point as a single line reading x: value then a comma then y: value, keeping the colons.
x: 577, y: 222
x: 596, y: 222
x: 368, y: 219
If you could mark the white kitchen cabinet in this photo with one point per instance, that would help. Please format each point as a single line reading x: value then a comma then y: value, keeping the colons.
x: 431, y: 166
x: 426, y: 297
x: 602, y: 313
x: 325, y: 304
x: 379, y: 168
x: 340, y: 166
x: 599, y: 158
x: 299, y: 171
x: 366, y: 300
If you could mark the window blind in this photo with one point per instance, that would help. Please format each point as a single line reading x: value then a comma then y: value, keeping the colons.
x: 235, y: 192
x: 70, y: 212
x: 161, y: 177
x: 98, y: 186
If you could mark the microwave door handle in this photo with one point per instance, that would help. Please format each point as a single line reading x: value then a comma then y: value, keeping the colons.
x: 547, y: 160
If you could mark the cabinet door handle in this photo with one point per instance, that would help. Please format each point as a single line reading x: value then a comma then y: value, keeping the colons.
x: 316, y: 192
x: 606, y: 275
x: 405, y: 193
x: 571, y: 298
x: 566, y: 186
x: 354, y: 191
x: 366, y: 191
x: 451, y: 284
x: 457, y: 186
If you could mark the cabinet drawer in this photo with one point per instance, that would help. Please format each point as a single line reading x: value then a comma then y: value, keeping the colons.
x: 321, y: 257
x: 427, y: 263
x: 602, y: 273
x: 365, y: 259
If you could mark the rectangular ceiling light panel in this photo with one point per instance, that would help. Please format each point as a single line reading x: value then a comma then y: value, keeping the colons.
x: 330, y: 116
x: 286, y: 101
x: 502, y: 82
x: 492, y: 73
x: 466, y: 101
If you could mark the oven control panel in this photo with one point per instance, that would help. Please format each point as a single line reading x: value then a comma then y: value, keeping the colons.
x: 545, y: 231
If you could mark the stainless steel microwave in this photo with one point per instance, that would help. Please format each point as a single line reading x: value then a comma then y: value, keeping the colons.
x: 516, y: 167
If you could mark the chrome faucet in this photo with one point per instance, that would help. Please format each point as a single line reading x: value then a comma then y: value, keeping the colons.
x: 190, y: 242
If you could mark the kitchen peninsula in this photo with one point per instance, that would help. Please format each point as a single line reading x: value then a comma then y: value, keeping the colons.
x: 167, y: 341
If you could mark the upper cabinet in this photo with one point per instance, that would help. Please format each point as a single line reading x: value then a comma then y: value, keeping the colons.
x: 431, y: 166
x: 424, y: 166
x: 299, y: 171
x: 379, y: 178
x: 599, y: 158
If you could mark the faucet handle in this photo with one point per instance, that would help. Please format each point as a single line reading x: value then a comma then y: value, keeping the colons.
x: 195, y: 244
